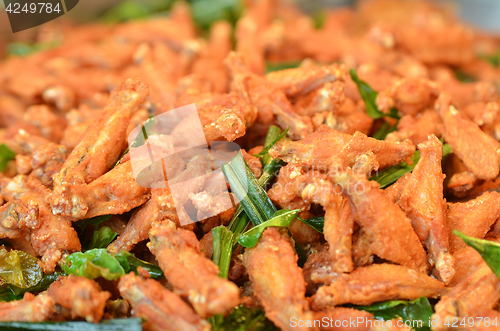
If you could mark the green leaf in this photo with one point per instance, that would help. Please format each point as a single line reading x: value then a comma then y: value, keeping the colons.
x: 390, y: 175
x: 44, y: 284
x: 369, y: 96
x: 489, y: 250
x: 277, y: 66
x: 130, y: 263
x: 80, y: 225
x: 245, y: 186
x: 271, y: 140
x: 6, y: 154
x: 493, y: 59
x: 317, y: 222
x: 281, y: 218
x: 464, y: 77
x: 102, y: 238
x: 24, y: 49
x: 244, y: 319
x: 117, y: 324
x: 19, y: 268
x: 384, y: 129
x: 206, y: 12
x: 93, y: 264
x: 223, y: 248
x: 415, y: 310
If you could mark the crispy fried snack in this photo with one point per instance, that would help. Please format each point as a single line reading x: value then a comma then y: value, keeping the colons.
x: 29, y: 309
x: 378, y: 282
x: 80, y: 296
x: 163, y: 309
x: 276, y: 279
x: 326, y: 147
x: 192, y: 275
x: 390, y: 233
x: 422, y: 201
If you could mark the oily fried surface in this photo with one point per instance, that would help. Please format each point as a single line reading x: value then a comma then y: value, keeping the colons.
x: 422, y: 200
x: 29, y: 309
x: 378, y: 282
x: 163, y: 309
x: 80, y: 296
x: 192, y: 275
x: 276, y: 279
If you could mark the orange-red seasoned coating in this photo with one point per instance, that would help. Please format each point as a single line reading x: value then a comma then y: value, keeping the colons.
x: 277, y: 280
x: 163, y: 309
x: 326, y: 147
x: 474, y: 217
x: 481, y: 290
x: 29, y: 309
x: 80, y: 296
x: 479, y: 152
x: 391, y: 235
x: 378, y: 282
x: 191, y: 274
x: 422, y: 201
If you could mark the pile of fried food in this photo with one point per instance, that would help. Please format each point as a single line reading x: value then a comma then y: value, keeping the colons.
x: 67, y: 113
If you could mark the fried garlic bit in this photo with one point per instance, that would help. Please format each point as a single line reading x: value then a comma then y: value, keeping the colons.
x: 99, y: 149
x: 390, y: 232
x: 79, y: 297
x: 422, y: 201
x: 277, y: 280
x: 162, y: 309
x: 378, y: 282
x: 29, y: 309
x: 192, y: 275
x: 326, y: 148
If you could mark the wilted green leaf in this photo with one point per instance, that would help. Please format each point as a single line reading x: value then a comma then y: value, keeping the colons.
x: 93, y: 264
x: 489, y: 250
x: 130, y: 263
x: 19, y: 268
x: 6, y: 154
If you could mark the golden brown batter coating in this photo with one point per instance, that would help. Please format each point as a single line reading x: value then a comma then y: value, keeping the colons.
x: 378, y: 282
x: 81, y: 297
x: 191, y: 274
x: 29, y: 309
x: 163, y: 309
x: 277, y: 280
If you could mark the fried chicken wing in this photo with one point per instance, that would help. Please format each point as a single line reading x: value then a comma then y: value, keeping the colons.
x: 163, y: 309
x: 391, y: 234
x: 276, y: 279
x: 474, y: 217
x: 80, y: 296
x: 378, y: 282
x: 192, y: 275
x: 29, y: 309
x: 422, y: 200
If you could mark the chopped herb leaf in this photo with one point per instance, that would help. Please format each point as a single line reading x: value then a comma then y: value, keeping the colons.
x: 390, y: 175
x: 277, y: 66
x: 419, y: 311
x: 6, y: 154
x: 464, y: 77
x: 102, y: 238
x: 384, y: 129
x: 130, y: 263
x: 281, y: 218
x: 317, y: 222
x: 93, y: 264
x: 19, y: 268
x: 223, y: 249
x: 244, y: 319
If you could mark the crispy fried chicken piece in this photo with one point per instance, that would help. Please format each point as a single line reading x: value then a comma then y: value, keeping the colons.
x: 417, y: 128
x: 80, y: 296
x: 338, y: 229
x: 474, y: 218
x: 349, y: 118
x: 362, y: 253
x: 160, y: 207
x: 100, y: 147
x: 253, y: 162
x: 318, y: 271
x: 268, y: 99
x: 29, y: 309
x: 479, y: 152
x: 299, y: 81
x: 461, y: 183
x: 422, y: 201
x: 378, y: 282
x: 163, y: 309
x: 481, y: 290
x: 326, y: 147
x: 12, y: 224
x: 391, y: 234
x: 330, y: 97
x: 277, y: 280
x: 192, y: 275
